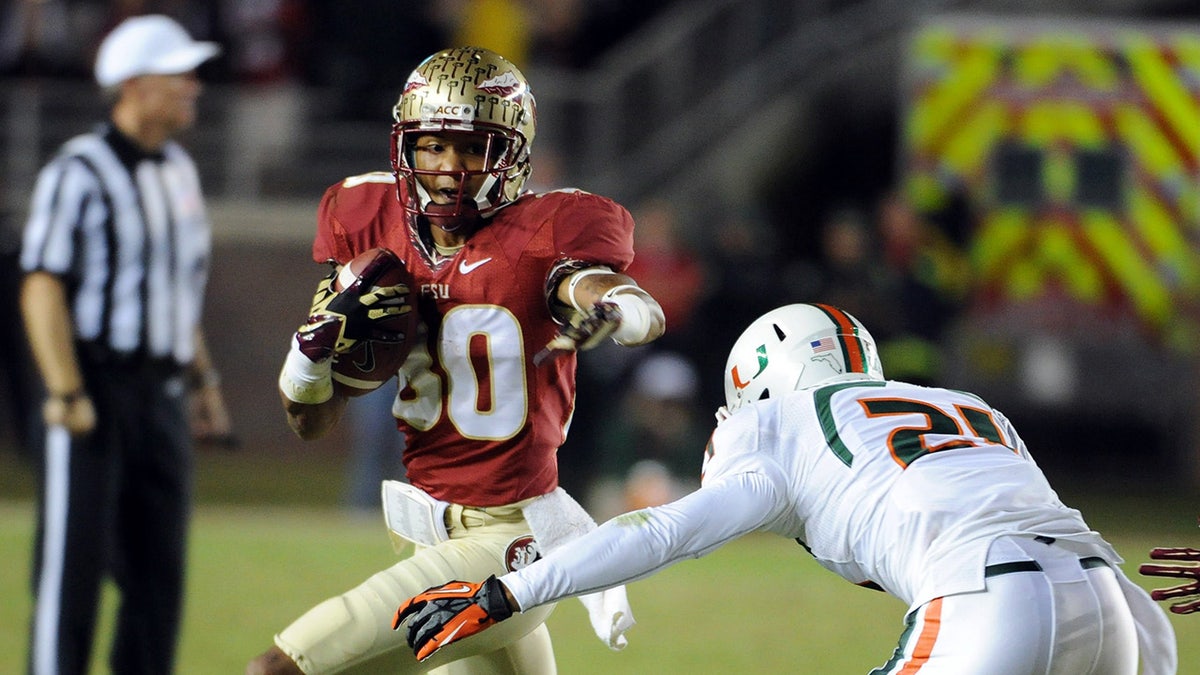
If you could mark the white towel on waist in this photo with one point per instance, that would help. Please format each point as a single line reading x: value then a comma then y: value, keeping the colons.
x: 555, y: 519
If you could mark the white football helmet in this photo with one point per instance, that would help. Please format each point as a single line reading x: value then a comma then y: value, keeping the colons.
x: 467, y: 89
x: 795, y: 347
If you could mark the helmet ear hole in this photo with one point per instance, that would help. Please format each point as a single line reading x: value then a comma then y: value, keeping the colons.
x: 766, y: 394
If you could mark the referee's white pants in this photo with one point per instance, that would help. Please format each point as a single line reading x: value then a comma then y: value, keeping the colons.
x: 1046, y: 611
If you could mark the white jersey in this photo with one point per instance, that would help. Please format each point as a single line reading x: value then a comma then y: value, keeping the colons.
x: 895, y: 484
x: 884, y: 483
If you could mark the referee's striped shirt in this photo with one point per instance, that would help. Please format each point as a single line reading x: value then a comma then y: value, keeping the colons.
x: 128, y: 233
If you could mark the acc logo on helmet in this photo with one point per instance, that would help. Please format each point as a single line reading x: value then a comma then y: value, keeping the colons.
x: 463, y: 113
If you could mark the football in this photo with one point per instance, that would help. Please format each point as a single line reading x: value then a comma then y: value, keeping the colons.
x: 370, y: 363
x: 384, y: 268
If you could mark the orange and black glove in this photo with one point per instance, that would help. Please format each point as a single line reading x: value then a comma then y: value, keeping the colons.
x: 450, y: 612
x: 1190, y: 591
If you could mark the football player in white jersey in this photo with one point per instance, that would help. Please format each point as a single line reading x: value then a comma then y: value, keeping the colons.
x: 927, y: 494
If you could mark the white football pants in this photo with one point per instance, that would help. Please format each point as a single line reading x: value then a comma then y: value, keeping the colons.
x: 1046, y: 611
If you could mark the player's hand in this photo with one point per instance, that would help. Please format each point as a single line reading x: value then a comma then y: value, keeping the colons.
x: 1189, y: 592
x: 339, y: 319
x: 450, y: 612
x: 584, y: 332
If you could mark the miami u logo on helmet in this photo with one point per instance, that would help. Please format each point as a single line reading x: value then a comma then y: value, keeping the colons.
x: 738, y: 382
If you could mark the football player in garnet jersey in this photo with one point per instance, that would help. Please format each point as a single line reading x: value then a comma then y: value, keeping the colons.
x: 509, y: 285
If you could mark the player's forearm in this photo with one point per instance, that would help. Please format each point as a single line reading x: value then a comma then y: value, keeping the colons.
x: 638, y: 544
x: 313, y: 421
x: 601, y: 559
x: 311, y: 400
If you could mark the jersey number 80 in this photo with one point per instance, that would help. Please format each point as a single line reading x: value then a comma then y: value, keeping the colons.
x: 481, y: 351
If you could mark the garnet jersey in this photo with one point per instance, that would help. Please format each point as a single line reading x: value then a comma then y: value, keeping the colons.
x: 482, y: 424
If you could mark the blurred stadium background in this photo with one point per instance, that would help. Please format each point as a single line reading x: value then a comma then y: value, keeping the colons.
x: 1006, y: 192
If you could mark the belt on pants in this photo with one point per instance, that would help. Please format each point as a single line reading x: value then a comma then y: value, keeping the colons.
x: 458, y: 515
x: 1033, y: 566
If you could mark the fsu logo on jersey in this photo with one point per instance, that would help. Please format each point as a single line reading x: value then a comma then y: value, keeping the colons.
x: 521, y: 552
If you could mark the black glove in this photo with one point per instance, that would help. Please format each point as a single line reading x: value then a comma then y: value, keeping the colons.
x: 451, y: 612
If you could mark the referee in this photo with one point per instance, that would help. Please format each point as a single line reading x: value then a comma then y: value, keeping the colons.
x: 115, y: 256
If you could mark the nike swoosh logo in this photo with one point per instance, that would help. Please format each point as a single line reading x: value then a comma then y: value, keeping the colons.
x: 367, y: 364
x: 464, y: 268
x: 456, y: 631
x: 444, y: 641
x: 457, y: 589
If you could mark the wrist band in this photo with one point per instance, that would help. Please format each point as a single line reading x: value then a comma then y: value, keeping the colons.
x: 303, y: 381
x: 636, y: 314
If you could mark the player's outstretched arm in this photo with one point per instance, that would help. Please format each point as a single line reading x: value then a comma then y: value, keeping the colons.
x: 448, y: 613
x: 1184, y: 566
x: 629, y: 547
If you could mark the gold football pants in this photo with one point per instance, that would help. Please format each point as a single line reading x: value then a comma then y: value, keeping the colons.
x: 352, y: 633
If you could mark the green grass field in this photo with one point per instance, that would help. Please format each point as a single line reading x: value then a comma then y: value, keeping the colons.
x: 758, y: 605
